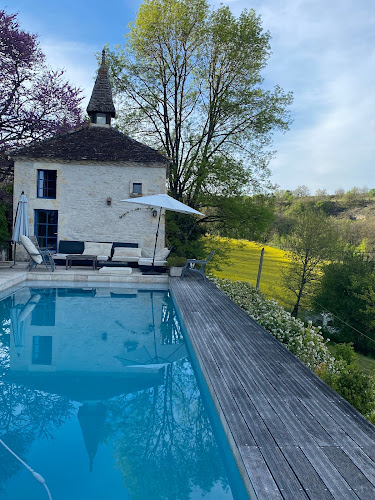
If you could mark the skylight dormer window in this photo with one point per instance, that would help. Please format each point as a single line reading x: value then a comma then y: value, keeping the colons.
x: 101, y: 118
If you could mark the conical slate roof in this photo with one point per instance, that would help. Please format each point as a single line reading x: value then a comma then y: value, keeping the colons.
x: 92, y: 419
x: 101, y: 98
x: 91, y: 143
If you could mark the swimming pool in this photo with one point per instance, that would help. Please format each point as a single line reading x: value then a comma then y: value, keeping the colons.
x: 99, y: 394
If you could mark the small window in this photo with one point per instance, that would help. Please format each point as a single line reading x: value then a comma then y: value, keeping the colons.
x: 137, y: 188
x: 46, y: 184
x: 101, y: 118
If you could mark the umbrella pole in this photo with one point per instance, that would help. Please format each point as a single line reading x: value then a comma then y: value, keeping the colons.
x: 20, y: 225
x: 153, y: 325
x: 152, y: 271
x: 14, y: 255
x: 15, y: 244
x: 156, y: 240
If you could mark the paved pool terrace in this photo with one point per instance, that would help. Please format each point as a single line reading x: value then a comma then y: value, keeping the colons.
x: 292, y: 436
x: 11, y: 276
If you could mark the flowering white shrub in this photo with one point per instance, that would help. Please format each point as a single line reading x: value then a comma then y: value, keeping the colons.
x: 305, y: 342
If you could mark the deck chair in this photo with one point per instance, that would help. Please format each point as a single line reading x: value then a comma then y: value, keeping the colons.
x: 191, y: 263
x: 37, y: 256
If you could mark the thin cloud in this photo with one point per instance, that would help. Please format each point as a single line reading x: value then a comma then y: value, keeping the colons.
x: 325, y: 53
x: 78, y: 59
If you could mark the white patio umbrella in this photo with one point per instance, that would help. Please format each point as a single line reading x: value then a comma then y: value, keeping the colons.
x: 162, y: 201
x: 18, y: 316
x: 18, y: 328
x: 158, y: 354
x: 21, y: 223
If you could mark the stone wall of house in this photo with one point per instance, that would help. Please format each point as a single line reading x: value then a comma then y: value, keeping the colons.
x: 81, y: 200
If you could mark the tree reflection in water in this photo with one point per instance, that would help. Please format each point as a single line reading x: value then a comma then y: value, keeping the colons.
x: 162, y: 438
x: 25, y: 414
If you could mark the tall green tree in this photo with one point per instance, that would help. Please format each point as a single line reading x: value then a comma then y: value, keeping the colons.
x: 347, y: 289
x: 312, y: 241
x: 242, y: 217
x: 189, y: 78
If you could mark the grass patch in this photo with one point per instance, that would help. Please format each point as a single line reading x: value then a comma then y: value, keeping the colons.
x: 244, y: 264
x: 366, y: 363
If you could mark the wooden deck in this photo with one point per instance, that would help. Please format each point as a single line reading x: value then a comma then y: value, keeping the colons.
x: 291, y: 435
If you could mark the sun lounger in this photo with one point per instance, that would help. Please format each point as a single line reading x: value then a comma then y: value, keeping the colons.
x: 37, y: 256
x: 191, y: 263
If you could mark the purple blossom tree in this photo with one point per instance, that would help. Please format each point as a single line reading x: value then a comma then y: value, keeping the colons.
x: 35, y: 101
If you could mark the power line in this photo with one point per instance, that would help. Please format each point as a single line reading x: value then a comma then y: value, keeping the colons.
x: 334, y: 315
x: 346, y: 323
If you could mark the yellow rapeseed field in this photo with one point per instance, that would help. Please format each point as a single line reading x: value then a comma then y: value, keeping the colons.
x: 244, y: 263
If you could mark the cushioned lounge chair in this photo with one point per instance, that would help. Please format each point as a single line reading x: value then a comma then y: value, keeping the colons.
x: 126, y: 255
x: 191, y: 263
x: 102, y: 251
x: 160, y: 259
x: 37, y: 256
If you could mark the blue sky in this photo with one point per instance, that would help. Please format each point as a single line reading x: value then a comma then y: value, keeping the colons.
x: 323, y: 51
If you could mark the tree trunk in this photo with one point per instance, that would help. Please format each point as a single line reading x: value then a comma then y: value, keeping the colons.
x: 296, y: 305
x: 300, y: 293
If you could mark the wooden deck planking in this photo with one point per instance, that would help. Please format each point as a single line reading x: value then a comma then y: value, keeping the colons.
x: 299, y: 413
x: 276, y: 380
x: 302, y: 466
x: 276, y: 412
x: 256, y: 409
x: 338, y: 487
x: 294, y: 385
x: 259, y: 474
x: 281, y: 471
x: 336, y: 407
x: 243, y: 435
x: 362, y: 461
x: 361, y: 437
x: 358, y: 482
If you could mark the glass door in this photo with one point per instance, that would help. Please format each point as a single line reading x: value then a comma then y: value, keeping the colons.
x: 46, y: 229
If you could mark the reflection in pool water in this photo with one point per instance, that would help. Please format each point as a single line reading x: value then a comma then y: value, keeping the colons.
x: 97, y: 394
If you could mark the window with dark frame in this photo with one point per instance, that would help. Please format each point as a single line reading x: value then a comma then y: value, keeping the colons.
x: 137, y: 188
x: 42, y: 350
x: 46, y: 184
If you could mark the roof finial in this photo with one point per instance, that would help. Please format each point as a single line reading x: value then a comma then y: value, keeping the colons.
x: 101, y: 98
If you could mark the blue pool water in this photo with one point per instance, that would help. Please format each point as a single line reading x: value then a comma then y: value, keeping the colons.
x: 100, y: 395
